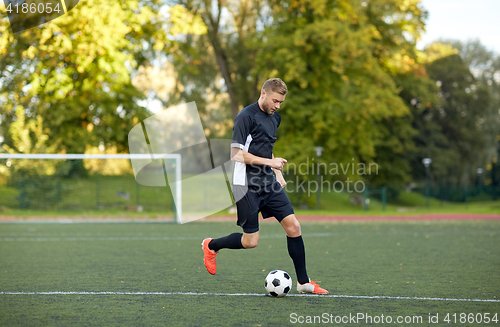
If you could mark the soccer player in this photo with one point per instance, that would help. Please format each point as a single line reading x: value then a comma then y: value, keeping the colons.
x: 255, y: 187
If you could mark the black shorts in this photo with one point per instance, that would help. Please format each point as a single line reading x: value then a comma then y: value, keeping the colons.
x: 271, y: 201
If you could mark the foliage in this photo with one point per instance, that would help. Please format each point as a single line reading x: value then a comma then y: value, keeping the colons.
x: 420, y: 95
x: 485, y: 66
x: 32, y: 179
x: 75, y: 71
x: 357, y: 84
x: 339, y: 92
x: 217, y: 68
x: 448, y: 112
x: 27, y: 137
x: 399, y: 24
x: 460, y: 116
x: 106, y: 166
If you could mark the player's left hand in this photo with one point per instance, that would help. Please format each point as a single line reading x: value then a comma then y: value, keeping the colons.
x: 281, y: 180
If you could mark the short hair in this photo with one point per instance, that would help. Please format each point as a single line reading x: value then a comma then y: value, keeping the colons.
x: 275, y: 85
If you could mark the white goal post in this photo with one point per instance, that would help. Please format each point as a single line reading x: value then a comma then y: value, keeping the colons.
x: 177, y: 157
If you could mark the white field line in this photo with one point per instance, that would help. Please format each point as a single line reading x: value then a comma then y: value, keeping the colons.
x: 255, y: 294
x: 129, y: 238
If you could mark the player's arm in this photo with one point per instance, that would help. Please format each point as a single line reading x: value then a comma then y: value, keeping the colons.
x: 279, y: 176
x: 240, y: 155
x: 242, y: 127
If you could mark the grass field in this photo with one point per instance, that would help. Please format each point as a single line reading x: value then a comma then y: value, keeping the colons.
x: 370, y: 268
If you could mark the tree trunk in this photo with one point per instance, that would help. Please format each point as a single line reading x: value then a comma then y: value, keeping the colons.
x: 213, y: 29
x: 222, y: 61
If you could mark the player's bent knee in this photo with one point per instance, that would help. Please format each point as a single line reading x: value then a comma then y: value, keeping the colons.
x: 249, y: 240
x: 291, y: 226
x: 249, y: 244
x: 293, y: 231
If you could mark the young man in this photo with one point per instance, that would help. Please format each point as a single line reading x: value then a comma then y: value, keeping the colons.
x: 255, y: 187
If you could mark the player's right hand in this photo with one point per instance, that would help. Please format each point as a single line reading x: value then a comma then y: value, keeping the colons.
x: 277, y: 163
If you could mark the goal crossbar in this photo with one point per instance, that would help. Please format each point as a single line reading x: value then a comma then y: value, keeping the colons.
x: 87, y: 156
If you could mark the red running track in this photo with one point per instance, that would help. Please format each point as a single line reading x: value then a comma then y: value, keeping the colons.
x: 411, y: 217
x: 430, y: 216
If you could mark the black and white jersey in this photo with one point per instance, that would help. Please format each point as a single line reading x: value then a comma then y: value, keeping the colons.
x: 254, y: 131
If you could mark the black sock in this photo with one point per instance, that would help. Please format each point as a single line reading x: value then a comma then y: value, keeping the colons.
x: 231, y: 241
x: 297, y: 252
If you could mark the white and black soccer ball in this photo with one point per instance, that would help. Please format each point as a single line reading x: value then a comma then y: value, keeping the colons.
x: 278, y: 283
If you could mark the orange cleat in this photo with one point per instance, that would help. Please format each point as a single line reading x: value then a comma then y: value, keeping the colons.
x: 209, y: 257
x: 311, y: 288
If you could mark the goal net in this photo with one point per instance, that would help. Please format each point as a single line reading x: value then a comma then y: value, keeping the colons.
x: 45, y: 183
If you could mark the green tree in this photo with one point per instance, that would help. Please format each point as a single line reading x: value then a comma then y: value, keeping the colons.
x: 75, y: 72
x: 428, y: 141
x: 28, y: 137
x: 399, y: 24
x: 340, y: 60
x: 459, y: 115
x: 32, y: 179
x: 339, y: 93
x: 223, y: 53
x: 485, y: 66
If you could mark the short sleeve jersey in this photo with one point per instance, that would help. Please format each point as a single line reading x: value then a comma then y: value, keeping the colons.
x: 254, y: 131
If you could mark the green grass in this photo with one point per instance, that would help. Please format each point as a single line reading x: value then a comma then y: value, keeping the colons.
x: 449, y: 259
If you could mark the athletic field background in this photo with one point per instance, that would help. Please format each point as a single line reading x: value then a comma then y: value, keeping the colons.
x: 152, y: 274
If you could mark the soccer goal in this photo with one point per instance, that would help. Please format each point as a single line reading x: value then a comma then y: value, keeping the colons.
x: 90, y: 182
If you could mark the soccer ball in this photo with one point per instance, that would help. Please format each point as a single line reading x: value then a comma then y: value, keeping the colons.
x: 278, y: 283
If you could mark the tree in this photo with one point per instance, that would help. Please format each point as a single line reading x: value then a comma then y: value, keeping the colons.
x: 485, y: 66
x: 28, y: 137
x: 75, y: 72
x: 338, y: 91
x: 226, y: 52
x: 459, y: 114
x: 32, y: 178
x: 399, y: 24
x: 428, y: 141
x: 339, y: 60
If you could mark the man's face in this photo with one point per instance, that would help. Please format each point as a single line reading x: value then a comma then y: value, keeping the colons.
x: 271, y: 101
